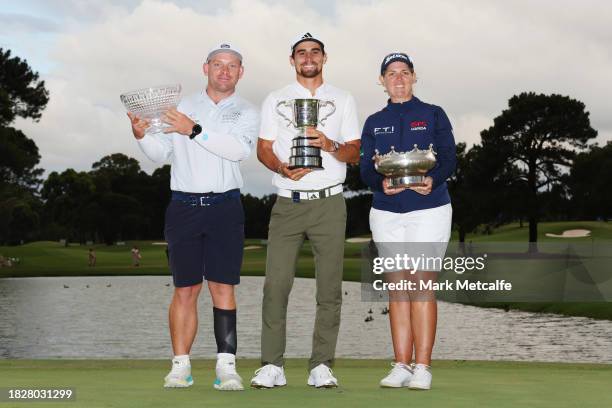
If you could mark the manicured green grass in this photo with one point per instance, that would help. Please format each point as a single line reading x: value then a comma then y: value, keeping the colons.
x: 138, y: 383
x: 45, y: 258
x: 514, y: 233
x: 52, y: 259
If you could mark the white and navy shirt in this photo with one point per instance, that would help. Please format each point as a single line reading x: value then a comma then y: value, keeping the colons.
x: 341, y: 126
x: 211, y: 161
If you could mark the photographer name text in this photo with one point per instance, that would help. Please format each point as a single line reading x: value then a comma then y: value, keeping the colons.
x: 497, y: 285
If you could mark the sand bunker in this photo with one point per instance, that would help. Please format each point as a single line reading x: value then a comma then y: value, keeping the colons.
x: 575, y: 233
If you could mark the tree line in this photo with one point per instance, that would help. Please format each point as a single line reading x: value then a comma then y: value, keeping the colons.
x: 536, y: 162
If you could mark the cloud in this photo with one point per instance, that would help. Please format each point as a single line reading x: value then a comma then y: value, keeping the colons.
x: 12, y: 23
x: 470, y: 59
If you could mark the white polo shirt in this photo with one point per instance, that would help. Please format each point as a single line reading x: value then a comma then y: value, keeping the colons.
x: 341, y: 126
x: 211, y: 161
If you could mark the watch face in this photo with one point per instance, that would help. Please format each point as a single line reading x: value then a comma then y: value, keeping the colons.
x: 196, y: 129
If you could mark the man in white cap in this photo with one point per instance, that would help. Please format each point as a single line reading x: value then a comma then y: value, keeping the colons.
x: 310, y: 205
x: 208, y: 135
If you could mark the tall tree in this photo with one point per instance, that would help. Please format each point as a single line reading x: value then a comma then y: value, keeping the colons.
x: 461, y: 188
x: 476, y: 189
x: 67, y: 196
x: 539, y: 135
x: 590, y: 181
x: 22, y: 93
x: 124, y: 196
x: 18, y: 160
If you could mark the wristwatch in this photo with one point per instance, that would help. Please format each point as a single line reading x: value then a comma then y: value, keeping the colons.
x: 196, y: 130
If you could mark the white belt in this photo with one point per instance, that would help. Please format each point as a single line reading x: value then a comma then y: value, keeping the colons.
x: 310, y: 194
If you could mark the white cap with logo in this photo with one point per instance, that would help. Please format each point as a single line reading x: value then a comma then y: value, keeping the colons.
x: 307, y: 36
x: 223, y: 47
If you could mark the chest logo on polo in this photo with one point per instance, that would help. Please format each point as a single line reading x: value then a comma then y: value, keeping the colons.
x: 418, y: 125
x: 383, y: 130
x: 231, y: 117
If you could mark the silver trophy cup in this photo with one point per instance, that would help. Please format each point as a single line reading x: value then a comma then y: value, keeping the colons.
x: 405, y: 169
x: 305, y: 113
x: 151, y: 103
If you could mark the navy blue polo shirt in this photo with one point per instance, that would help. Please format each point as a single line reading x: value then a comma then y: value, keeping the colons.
x: 403, y: 125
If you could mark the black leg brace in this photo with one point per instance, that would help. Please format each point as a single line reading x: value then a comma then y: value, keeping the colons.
x: 225, y: 330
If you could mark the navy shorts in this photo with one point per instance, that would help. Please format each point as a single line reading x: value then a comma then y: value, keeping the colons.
x: 205, y: 242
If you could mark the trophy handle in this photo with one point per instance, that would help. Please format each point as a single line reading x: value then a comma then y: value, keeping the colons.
x: 323, y: 104
x: 284, y: 103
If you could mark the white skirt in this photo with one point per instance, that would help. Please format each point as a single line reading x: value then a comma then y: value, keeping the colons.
x: 416, y: 234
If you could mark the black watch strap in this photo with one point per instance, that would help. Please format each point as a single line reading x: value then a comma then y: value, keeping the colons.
x: 196, y: 130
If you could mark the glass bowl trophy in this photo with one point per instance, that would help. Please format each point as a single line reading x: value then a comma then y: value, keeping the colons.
x: 151, y: 103
x: 305, y: 114
x: 405, y: 169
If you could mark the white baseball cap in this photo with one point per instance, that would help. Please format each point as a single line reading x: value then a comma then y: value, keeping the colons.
x: 223, y: 47
x: 307, y: 36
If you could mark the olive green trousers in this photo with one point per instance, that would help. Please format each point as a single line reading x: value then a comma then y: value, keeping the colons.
x: 323, y: 222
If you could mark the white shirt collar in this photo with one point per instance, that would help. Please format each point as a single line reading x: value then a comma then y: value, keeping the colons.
x: 230, y: 100
x: 320, y: 91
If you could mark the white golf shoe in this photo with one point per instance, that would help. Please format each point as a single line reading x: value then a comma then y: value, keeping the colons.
x: 421, y: 377
x: 269, y: 376
x: 227, y: 377
x: 399, y: 376
x: 322, y: 377
x: 179, y: 376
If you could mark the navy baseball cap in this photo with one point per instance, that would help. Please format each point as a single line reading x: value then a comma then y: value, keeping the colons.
x: 395, y: 56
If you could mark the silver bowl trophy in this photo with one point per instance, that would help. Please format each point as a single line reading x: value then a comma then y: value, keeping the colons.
x: 305, y: 114
x: 151, y: 103
x: 405, y: 169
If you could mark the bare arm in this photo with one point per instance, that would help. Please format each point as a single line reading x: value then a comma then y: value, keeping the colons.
x: 347, y: 152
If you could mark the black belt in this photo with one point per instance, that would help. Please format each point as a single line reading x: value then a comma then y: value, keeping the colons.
x: 204, y: 199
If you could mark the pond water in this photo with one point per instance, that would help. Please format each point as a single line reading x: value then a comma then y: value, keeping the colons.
x: 117, y: 317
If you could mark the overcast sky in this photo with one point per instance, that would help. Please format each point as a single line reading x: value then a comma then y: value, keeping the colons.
x: 470, y: 58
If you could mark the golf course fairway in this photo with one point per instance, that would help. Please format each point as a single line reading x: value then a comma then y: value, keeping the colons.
x: 138, y: 383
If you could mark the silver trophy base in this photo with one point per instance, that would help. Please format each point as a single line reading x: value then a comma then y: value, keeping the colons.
x: 305, y: 162
x: 407, y: 181
x: 302, y: 151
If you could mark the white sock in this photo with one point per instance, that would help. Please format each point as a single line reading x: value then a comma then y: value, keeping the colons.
x: 226, y: 358
x: 181, y: 361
